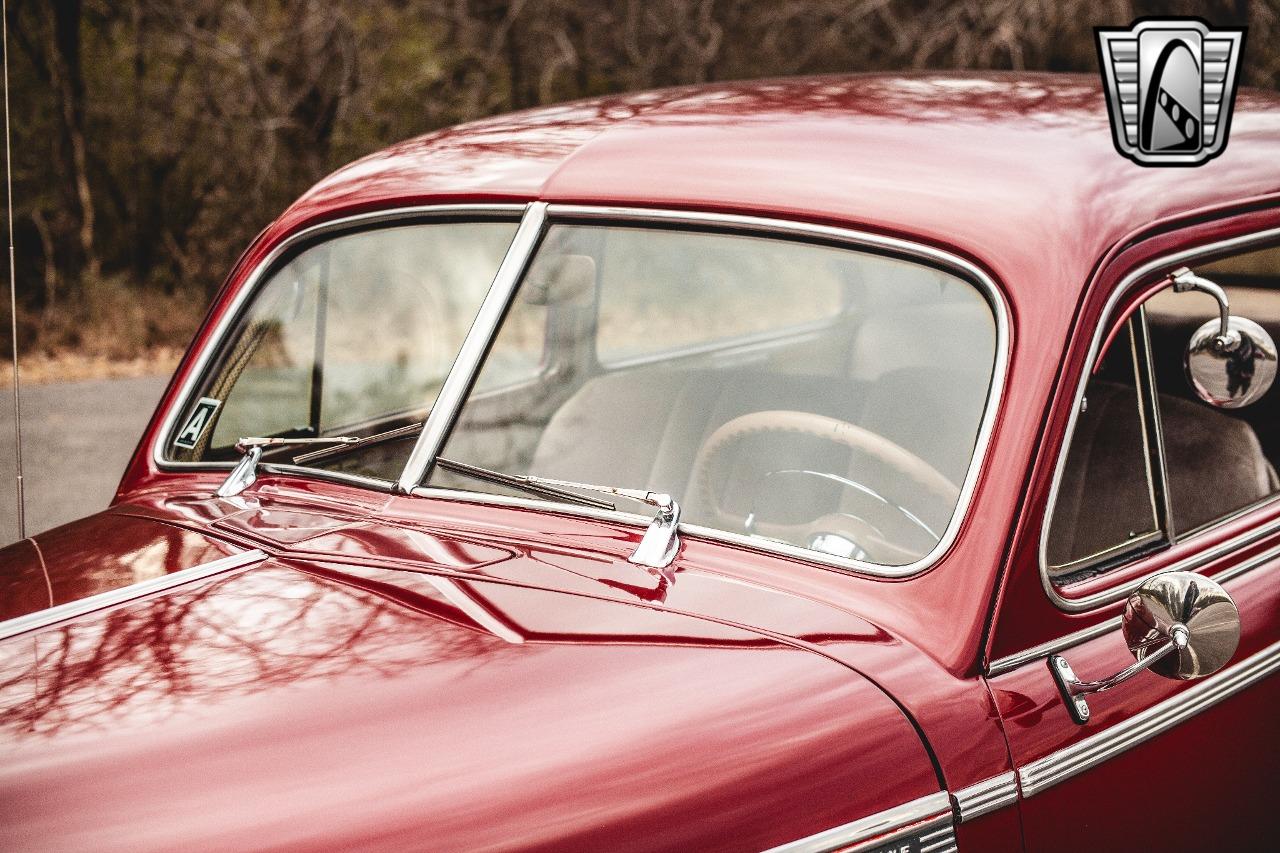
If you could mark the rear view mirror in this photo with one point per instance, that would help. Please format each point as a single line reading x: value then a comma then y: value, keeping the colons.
x: 1230, y: 361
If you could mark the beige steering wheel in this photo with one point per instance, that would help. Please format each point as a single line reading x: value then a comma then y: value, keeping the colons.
x: 891, y: 533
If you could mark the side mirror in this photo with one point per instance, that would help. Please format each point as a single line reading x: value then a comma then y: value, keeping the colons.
x: 1231, y: 361
x: 1179, y: 624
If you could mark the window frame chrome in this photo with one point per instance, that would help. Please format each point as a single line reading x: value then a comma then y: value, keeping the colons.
x: 1131, y: 282
x: 442, y: 420
x: 253, y: 283
x: 534, y: 218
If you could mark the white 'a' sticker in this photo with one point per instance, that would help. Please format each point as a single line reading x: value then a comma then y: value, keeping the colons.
x: 197, y: 423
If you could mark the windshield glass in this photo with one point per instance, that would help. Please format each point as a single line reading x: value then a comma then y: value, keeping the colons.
x: 353, y: 336
x: 818, y: 396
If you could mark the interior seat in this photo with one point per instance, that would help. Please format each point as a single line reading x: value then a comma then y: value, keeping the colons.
x: 918, y: 374
x: 655, y: 420
x: 1215, y: 462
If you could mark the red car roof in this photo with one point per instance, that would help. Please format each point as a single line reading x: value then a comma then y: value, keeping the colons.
x: 1016, y: 170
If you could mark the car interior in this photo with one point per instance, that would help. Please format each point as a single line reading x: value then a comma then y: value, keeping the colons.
x: 848, y: 431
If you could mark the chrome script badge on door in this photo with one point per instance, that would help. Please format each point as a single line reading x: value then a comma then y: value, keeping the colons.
x: 1170, y: 84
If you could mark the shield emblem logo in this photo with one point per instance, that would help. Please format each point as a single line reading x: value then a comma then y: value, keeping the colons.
x: 1170, y: 85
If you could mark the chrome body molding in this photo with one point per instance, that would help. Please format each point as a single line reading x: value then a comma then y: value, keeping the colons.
x: 1012, y: 662
x: 928, y: 820
x: 1092, y: 751
x: 133, y: 592
x: 986, y: 796
x: 1108, y: 596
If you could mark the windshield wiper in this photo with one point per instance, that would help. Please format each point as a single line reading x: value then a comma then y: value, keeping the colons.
x: 348, y: 446
x: 246, y: 471
x: 658, y: 547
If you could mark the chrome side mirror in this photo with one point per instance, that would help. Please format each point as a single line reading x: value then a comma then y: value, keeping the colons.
x: 1179, y: 624
x: 1231, y: 361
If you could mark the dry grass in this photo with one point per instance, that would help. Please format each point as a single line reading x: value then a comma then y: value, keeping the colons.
x: 111, y: 330
x: 45, y: 369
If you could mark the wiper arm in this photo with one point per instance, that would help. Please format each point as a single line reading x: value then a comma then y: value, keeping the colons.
x: 658, y: 547
x: 246, y: 471
x: 536, y: 485
x: 348, y: 446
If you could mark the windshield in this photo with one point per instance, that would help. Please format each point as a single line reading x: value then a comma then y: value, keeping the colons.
x: 825, y: 398
x: 353, y: 337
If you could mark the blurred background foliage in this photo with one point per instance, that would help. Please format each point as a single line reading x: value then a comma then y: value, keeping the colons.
x: 154, y: 138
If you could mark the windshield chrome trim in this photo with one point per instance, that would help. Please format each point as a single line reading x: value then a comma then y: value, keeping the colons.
x: 536, y: 217
x: 122, y: 595
x: 475, y: 346
x: 850, y: 238
x: 1116, y: 593
x: 249, y: 288
x: 927, y: 820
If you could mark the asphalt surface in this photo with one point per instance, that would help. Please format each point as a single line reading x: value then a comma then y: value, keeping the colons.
x: 77, y: 438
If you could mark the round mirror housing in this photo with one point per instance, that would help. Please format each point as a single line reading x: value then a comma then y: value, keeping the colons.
x: 1189, y: 611
x: 1231, y: 369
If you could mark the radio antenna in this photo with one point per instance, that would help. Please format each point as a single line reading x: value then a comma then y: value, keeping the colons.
x: 13, y: 282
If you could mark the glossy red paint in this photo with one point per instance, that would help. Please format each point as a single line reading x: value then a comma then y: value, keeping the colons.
x: 573, y: 699
x: 309, y: 702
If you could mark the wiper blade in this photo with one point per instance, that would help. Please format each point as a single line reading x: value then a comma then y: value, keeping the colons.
x: 658, y: 547
x: 245, y: 444
x: 348, y: 446
x: 536, y: 485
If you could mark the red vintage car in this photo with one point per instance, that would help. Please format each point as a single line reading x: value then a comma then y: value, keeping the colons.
x: 853, y: 463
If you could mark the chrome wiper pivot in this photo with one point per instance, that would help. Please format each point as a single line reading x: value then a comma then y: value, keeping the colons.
x: 246, y: 471
x: 661, y: 541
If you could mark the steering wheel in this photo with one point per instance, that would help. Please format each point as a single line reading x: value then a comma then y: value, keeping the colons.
x: 881, y: 529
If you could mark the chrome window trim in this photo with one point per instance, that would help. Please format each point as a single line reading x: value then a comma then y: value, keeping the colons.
x: 763, y: 226
x: 466, y: 365
x: 1116, y: 593
x: 132, y: 592
x: 1061, y: 765
x: 929, y: 817
x: 986, y: 796
x: 1008, y: 663
x: 249, y: 288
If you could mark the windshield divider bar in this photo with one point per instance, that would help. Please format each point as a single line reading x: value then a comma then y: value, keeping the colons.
x: 457, y: 385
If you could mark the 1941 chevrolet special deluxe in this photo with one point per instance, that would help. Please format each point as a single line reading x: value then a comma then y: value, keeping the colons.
x: 863, y: 463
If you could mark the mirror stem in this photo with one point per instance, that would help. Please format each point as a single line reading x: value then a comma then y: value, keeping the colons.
x: 1074, y: 690
x: 1185, y: 280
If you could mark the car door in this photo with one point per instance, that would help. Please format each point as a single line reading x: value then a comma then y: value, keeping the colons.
x: 1147, y: 479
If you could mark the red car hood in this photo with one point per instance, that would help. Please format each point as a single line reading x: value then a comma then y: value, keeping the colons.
x: 323, y: 698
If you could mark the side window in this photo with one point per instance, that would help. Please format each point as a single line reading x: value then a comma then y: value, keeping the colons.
x: 665, y: 292
x: 1106, y: 501
x: 1149, y: 461
x: 1219, y: 460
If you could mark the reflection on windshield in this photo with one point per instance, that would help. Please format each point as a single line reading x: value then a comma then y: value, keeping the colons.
x: 354, y: 335
x: 699, y: 364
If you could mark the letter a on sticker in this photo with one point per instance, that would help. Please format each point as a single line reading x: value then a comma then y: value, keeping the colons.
x: 197, y: 423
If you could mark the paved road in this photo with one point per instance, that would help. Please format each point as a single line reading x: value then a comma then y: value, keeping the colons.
x: 76, y: 439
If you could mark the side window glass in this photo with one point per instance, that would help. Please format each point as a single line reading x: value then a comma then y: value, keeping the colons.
x: 1106, y: 501
x: 1219, y: 461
